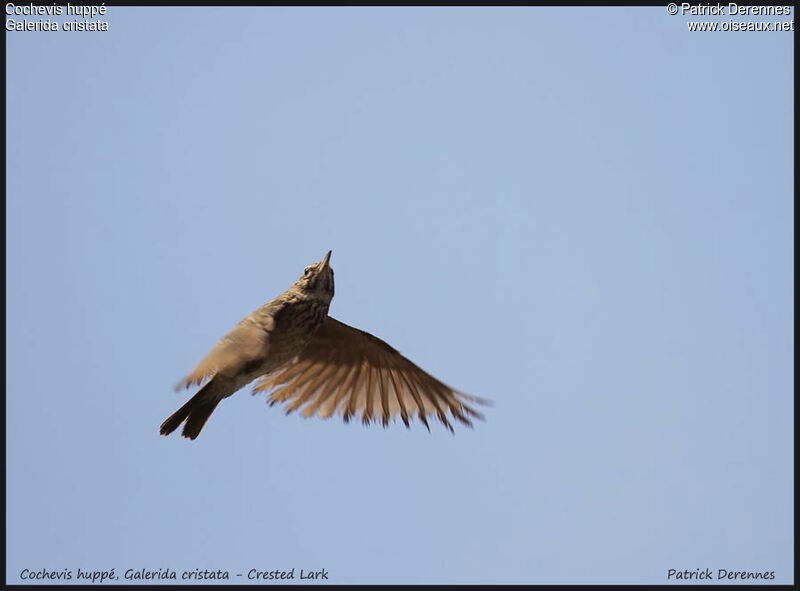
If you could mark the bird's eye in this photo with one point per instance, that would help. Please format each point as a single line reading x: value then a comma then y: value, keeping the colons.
x: 307, y: 272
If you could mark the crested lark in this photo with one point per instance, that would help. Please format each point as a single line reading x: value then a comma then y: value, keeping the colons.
x: 306, y: 358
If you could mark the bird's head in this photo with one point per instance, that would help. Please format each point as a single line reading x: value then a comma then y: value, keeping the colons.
x: 317, y: 280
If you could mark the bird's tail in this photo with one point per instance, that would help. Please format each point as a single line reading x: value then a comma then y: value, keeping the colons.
x: 195, y: 412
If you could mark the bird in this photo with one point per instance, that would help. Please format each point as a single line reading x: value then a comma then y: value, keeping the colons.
x: 307, y: 359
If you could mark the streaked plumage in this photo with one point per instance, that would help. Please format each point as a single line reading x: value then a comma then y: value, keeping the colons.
x: 311, y: 361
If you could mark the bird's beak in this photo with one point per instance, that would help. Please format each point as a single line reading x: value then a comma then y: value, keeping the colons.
x: 324, y: 264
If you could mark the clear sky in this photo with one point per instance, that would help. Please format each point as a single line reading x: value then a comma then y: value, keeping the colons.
x: 585, y: 215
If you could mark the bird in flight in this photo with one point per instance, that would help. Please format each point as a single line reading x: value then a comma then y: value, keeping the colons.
x: 308, y: 359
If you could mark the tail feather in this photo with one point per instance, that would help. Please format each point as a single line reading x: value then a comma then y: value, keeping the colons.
x: 195, y: 412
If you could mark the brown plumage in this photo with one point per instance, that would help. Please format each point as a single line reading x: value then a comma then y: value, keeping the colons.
x: 311, y: 361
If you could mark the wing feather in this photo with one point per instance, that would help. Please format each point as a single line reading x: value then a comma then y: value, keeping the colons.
x: 349, y: 382
x: 246, y: 343
x: 350, y: 371
x: 399, y: 395
x: 383, y: 388
x: 368, y: 397
x: 312, y: 388
x: 328, y: 388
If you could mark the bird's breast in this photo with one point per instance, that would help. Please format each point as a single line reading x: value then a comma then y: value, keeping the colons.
x: 295, y: 324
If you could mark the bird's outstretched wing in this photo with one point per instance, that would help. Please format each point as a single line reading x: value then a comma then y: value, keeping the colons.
x: 351, y: 372
x: 246, y: 343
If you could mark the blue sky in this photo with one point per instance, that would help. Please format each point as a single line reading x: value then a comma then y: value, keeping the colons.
x: 583, y: 214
